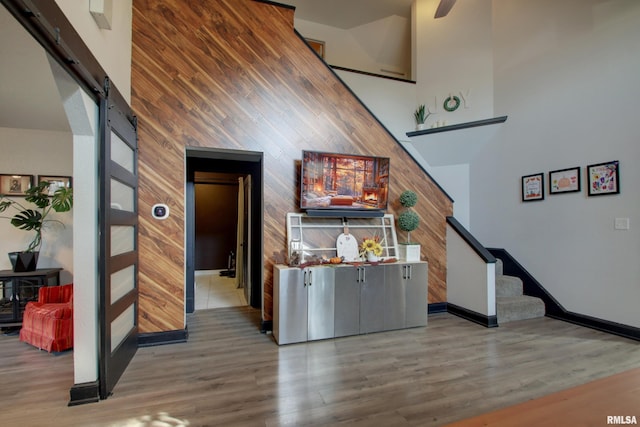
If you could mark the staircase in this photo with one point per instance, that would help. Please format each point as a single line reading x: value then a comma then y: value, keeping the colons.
x: 511, y: 304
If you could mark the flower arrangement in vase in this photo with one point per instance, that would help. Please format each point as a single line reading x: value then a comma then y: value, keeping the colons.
x: 371, y: 249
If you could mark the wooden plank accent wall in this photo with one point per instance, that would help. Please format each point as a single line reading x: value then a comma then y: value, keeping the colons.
x: 233, y: 74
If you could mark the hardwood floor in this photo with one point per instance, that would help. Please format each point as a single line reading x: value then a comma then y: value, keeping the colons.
x: 599, y: 402
x: 229, y: 374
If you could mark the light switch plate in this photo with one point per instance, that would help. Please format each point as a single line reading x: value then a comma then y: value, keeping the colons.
x: 621, y: 224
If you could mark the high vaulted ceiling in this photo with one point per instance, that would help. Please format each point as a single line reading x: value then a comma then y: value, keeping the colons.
x: 29, y: 98
x: 347, y: 14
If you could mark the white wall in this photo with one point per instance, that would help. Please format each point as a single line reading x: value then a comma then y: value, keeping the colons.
x: 454, y: 179
x: 112, y: 48
x: 377, y: 47
x: 566, y: 74
x: 391, y: 101
x: 454, y: 56
x: 37, y: 152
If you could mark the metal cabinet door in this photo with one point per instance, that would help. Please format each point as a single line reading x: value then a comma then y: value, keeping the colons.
x: 289, y: 306
x: 394, y: 297
x: 320, y: 300
x: 416, y: 293
x: 347, y: 302
x: 371, y: 279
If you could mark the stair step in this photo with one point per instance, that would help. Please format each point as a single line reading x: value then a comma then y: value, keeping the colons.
x: 522, y: 307
x: 508, y: 286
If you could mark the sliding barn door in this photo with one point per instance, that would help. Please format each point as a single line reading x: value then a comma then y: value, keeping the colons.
x: 118, y: 218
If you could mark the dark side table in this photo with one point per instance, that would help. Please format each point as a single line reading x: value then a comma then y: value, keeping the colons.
x: 17, y: 289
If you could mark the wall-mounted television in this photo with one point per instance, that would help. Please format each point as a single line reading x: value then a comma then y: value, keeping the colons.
x: 343, y: 184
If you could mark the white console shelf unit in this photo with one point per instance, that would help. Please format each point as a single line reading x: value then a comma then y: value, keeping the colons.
x: 318, y: 235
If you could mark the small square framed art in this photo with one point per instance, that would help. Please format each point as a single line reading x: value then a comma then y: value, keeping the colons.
x: 604, y: 178
x: 55, y: 182
x: 564, y: 181
x: 533, y: 187
x: 15, y: 185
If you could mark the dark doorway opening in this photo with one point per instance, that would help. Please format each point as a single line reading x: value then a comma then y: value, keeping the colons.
x: 216, y: 218
x: 211, y: 166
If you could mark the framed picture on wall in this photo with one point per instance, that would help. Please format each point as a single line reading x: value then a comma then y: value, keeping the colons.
x: 15, y: 185
x: 55, y: 182
x: 564, y: 181
x: 316, y: 45
x: 604, y: 178
x: 533, y: 187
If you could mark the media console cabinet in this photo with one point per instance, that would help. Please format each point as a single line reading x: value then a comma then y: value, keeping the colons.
x: 327, y: 301
x: 17, y: 289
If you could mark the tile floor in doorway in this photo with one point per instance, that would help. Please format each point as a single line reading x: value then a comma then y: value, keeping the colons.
x: 214, y: 291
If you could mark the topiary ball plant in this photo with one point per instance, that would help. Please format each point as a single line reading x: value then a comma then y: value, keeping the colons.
x: 408, y: 199
x: 408, y: 220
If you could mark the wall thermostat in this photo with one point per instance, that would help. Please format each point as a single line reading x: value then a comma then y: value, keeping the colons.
x: 160, y: 211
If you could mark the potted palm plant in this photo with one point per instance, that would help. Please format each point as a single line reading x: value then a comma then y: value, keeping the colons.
x: 408, y: 221
x: 34, y: 219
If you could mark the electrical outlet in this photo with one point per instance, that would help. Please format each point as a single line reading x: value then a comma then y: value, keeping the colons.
x: 621, y: 224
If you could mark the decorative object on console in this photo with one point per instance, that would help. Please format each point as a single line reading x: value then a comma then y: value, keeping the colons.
x: 604, y: 178
x: 371, y: 249
x: 295, y: 252
x: 408, y: 221
x: 347, y: 245
x: 372, y: 257
x: 34, y: 219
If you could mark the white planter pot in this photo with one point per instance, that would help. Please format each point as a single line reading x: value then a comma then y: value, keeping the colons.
x: 371, y: 257
x: 409, y: 252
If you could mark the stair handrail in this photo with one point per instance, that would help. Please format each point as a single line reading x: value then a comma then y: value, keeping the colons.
x: 471, y: 279
x: 472, y: 241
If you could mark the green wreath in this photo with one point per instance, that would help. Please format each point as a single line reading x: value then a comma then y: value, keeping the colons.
x: 447, y: 102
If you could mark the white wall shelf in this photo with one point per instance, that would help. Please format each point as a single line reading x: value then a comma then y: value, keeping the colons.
x: 455, y: 144
x: 458, y: 126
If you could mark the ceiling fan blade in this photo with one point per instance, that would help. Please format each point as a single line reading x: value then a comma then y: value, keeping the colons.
x: 444, y: 7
